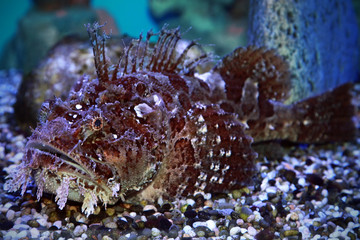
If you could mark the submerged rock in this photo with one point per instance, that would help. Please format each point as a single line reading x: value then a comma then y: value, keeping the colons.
x: 67, y: 62
x: 319, y: 39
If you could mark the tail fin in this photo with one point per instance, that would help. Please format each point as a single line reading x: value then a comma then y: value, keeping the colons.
x: 327, y: 117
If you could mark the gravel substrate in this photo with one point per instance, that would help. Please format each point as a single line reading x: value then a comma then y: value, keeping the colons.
x: 308, y: 192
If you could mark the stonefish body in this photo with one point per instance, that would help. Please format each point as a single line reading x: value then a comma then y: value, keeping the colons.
x: 152, y: 126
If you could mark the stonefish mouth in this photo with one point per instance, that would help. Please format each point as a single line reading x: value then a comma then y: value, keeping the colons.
x: 68, y: 178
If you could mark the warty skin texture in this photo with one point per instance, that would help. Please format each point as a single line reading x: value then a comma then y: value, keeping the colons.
x: 152, y: 126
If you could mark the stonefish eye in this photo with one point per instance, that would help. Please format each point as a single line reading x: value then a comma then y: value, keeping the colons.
x: 97, y: 123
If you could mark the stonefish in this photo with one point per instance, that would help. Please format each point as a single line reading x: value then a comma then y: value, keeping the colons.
x: 152, y: 125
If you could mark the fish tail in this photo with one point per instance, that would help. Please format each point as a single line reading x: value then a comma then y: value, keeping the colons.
x: 328, y: 117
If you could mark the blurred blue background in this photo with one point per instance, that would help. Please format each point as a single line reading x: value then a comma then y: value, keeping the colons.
x: 132, y: 17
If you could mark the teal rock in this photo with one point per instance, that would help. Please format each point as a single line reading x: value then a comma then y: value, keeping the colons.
x: 319, y: 39
x: 44, y: 25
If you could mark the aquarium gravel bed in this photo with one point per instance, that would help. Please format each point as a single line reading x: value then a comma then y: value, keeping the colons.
x: 306, y: 192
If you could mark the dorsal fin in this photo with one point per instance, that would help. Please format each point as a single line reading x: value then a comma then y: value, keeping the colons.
x: 263, y: 67
x: 98, y: 44
x: 165, y: 56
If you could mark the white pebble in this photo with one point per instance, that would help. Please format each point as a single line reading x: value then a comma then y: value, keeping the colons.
x: 26, y: 218
x: 43, y: 222
x: 316, y: 237
x: 150, y: 207
x: 251, y: 218
x: 284, y: 186
x: 10, y: 214
x: 21, y: 234
x: 78, y: 230
x: 251, y: 231
x: 19, y: 221
x: 188, y: 230
x: 7, y: 205
x: 235, y: 230
x: 190, y: 201
x: 207, y: 196
x: 198, y: 224
x: 45, y: 234
x: 324, y: 193
x: 211, y: 224
x: 302, y: 182
x: 155, y: 232
x: 354, y: 213
x: 271, y: 189
x: 239, y: 222
x: 21, y: 226
x: 10, y: 235
x: 106, y: 238
x: 263, y: 196
x: 57, y: 224
x: 34, y: 233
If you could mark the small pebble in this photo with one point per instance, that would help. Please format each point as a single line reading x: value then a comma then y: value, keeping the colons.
x: 34, y: 233
x: 21, y: 234
x: 110, y: 211
x: 251, y: 230
x: 58, y: 224
x: 235, y: 230
x: 106, y: 237
x: 111, y: 225
x: 79, y: 229
x: 10, y: 215
x: 291, y: 232
x: 155, y: 232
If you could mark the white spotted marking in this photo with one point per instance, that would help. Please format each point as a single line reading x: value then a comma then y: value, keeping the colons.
x: 212, y: 166
x: 245, y: 124
x: 218, y: 139
x: 210, y: 153
x: 201, y: 119
x: 157, y: 100
x: 202, y: 176
x: 203, y: 140
x: 115, y: 136
x: 213, y: 179
x: 215, y: 167
x: 227, y: 167
x: 306, y: 122
x: 78, y: 106
x: 222, y: 152
x: 203, y: 186
x: 221, y: 180
x: 203, y: 129
x: 228, y: 153
x: 142, y: 109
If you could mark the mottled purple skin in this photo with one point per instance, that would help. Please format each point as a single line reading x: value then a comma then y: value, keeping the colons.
x: 151, y: 126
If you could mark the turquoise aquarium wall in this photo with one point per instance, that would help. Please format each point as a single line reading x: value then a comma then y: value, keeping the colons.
x: 132, y: 17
